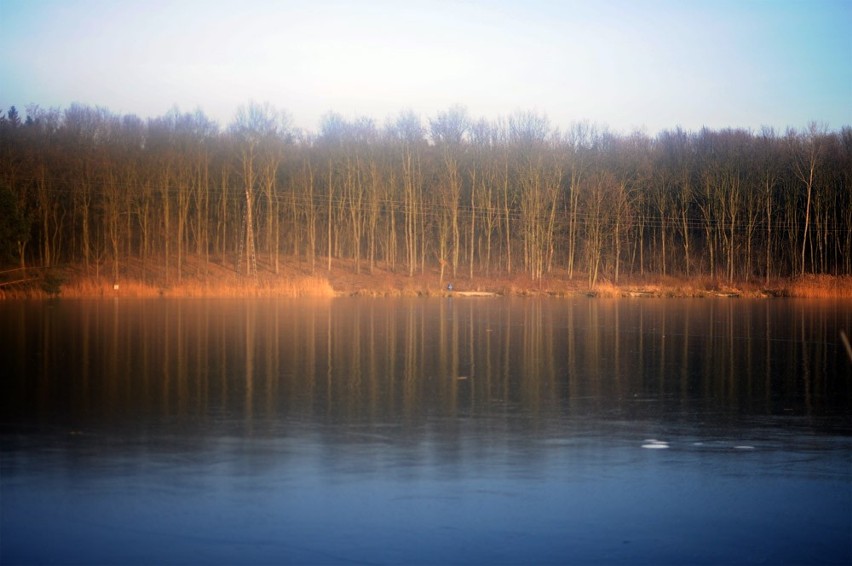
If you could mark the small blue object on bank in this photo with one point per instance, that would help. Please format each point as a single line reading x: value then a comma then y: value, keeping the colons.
x: 449, y: 287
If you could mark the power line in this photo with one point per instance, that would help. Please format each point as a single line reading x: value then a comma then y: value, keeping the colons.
x: 433, y: 208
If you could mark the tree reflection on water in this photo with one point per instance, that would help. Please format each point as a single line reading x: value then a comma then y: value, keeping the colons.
x: 390, y: 360
x: 425, y: 431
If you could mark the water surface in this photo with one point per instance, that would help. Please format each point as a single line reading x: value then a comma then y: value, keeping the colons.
x: 425, y: 431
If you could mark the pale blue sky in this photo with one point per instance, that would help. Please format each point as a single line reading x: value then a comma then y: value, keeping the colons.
x: 649, y: 65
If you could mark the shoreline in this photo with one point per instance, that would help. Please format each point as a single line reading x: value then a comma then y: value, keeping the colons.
x: 294, y: 279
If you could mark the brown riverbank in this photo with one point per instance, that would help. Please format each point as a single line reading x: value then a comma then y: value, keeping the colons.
x: 296, y: 279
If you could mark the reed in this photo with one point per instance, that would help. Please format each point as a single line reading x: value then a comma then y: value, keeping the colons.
x: 608, y: 290
x: 209, y: 279
x: 83, y: 287
x: 820, y: 287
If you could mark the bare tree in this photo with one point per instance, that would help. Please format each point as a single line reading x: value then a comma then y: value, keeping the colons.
x: 807, y: 156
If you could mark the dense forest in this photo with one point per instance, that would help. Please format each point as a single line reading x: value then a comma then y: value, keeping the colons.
x: 467, y: 197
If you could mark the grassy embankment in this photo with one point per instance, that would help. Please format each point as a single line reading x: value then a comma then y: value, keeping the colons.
x: 208, y: 279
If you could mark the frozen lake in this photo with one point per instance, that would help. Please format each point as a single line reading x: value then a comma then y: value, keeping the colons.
x: 423, y: 431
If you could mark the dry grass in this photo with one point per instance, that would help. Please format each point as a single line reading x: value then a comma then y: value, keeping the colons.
x: 294, y: 279
x: 608, y: 290
x: 81, y: 288
x: 86, y: 288
x: 821, y: 287
x: 201, y: 279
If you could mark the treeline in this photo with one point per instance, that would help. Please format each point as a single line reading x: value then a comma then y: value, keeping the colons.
x: 468, y: 197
